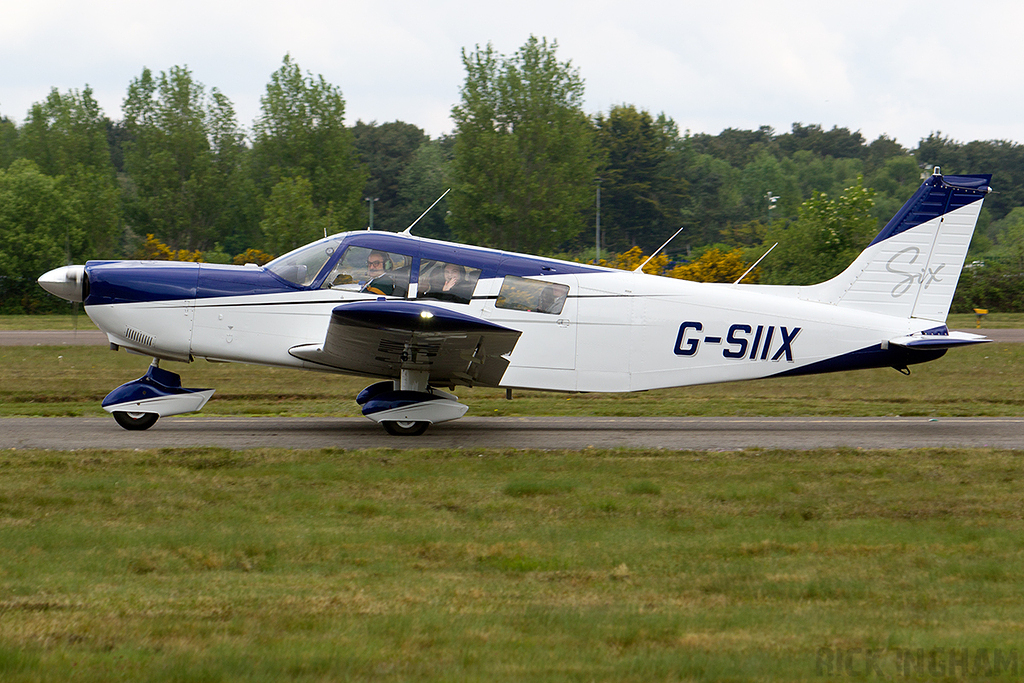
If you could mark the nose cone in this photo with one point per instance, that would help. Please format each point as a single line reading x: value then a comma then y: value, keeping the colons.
x: 65, y: 282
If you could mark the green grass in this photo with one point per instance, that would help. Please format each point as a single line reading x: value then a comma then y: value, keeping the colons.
x: 47, y: 322
x: 968, y: 321
x: 215, y: 565
x: 71, y: 381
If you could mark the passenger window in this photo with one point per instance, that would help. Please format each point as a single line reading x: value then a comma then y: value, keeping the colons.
x: 372, y: 270
x: 520, y: 294
x: 446, y: 281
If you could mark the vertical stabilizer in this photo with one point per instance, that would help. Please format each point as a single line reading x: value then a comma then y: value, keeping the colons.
x: 912, y: 267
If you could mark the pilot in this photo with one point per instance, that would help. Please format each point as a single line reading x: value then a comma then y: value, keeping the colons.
x: 379, y: 280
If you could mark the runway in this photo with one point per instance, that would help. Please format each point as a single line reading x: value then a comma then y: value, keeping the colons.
x: 546, y: 433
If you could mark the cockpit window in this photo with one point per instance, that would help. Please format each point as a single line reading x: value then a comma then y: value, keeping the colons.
x: 302, y: 265
x: 372, y: 270
x: 520, y: 294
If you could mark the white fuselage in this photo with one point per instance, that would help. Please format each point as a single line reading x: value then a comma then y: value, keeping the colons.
x: 618, y: 331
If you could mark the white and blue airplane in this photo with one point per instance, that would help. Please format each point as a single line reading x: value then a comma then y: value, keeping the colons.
x: 422, y: 316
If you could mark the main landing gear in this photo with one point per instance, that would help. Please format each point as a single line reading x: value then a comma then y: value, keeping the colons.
x: 403, y: 428
x: 407, y: 407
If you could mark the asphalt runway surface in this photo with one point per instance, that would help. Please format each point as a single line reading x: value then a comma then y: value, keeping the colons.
x: 546, y: 433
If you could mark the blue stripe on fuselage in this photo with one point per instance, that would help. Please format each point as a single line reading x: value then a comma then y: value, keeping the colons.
x: 116, y: 282
x: 869, y: 357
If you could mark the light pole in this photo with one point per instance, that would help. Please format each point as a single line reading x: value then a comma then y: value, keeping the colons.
x: 371, y: 201
x: 772, y: 198
x: 597, y: 226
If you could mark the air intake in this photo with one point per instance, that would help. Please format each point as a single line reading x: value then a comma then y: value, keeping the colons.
x: 138, y: 337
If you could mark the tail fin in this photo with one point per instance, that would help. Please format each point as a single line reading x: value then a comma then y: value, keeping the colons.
x: 912, y: 267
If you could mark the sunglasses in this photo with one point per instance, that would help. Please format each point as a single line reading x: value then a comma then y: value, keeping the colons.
x: 375, y: 263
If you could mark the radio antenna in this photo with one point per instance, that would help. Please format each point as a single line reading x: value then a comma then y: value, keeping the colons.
x: 657, y: 251
x: 755, y: 264
x: 408, y: 231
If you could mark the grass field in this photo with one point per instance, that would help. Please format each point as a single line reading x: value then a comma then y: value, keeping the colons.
x: 218, y: 565
x: 212, y: 565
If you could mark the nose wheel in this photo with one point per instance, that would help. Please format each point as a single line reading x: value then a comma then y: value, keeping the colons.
x: 135, y: 421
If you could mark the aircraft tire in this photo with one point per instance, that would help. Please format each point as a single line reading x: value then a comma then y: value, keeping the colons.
x: 135, y: 421
x: 402, y: 428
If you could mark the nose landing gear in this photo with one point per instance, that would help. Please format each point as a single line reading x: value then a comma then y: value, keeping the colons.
x: 137, y: 405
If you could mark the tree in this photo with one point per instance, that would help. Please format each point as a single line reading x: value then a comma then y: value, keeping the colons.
x: 290, y: 219
x: 386, y: 150
x: 763, y: 175
x: 640, y: 199
x: 420, y: 184
x: 826, y: 237
x: 1002, y: 158
x: 236, y: 214
x: 894, y: 182
x: 301, y: 132
x: 1010, y: 240
x: 714, y: 198
x: 882, y: 150
x: 525, y: 161
x: 65, y: 131
x: 153, y: 249
x: 733, y: 146
x: 38, y: 229
x: 180, y: 157
x: 8, y: 142
x: 65, y: 136
x: 837, y: 143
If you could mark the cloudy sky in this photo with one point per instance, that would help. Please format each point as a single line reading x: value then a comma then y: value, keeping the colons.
x: 896, y: 67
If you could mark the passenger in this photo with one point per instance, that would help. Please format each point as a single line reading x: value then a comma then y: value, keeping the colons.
x: 454, y: 275
x: 448, y: 283
x: 551, y: 301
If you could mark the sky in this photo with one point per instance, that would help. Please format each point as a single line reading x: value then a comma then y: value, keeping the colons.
x: 899, y: 68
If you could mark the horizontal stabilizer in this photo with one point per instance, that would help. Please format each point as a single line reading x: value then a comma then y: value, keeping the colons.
x: 947, y: 340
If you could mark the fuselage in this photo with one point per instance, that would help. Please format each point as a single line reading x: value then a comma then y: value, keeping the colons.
x: 613, y: 331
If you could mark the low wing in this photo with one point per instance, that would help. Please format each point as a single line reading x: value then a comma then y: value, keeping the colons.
x: 382, y: 338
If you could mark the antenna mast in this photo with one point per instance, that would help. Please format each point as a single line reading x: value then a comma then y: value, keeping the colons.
x: 657, y: 251
x: 755, y: 264
x: 408, y: 231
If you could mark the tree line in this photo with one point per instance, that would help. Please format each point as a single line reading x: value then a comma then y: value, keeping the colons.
x: 179, y: 175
